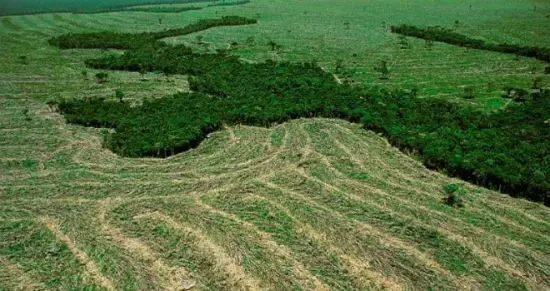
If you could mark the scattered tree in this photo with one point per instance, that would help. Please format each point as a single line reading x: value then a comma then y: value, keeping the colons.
x: 453, y: 194
x: 119, y: 95
x: 160, y: 21
x: 84, y: 74
x: 468, y: 92
x: 199, y: 38
x: 101, y: 77
x: 346, y: 25
x: 457, y: 23
x: 383, y: 70
x: 23, y: 60
x: 26, y: 114
x: 274, y: 46
x: 547, y: 70
x: 250, y: 40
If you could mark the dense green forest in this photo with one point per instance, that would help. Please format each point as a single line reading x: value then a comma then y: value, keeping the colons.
x: 140, y: 41
x: 232, y: 3
x: 25, y: 7
x: 506, y: 150
x: 445, y: 35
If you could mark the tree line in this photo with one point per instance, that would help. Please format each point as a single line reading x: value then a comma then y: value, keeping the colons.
x: 441, y: 34
x: 116, y: 40
x: 506, y: 150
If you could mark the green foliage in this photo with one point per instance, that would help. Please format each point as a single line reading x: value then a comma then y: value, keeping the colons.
x: 28, y: 7
x: 450, y: 37
x: 26, y: 114
x: 164, y: 9
x: 29, y: 163
x: 232, y: 3
x: 383, y: 70
x: 101, y: 77
x: 453, y: 194
x: 547, y: 70
x: 23, y: 60
x: 142, y: 41
x: 84, y: 74
x: 468, y: 92
x: 119, y: 95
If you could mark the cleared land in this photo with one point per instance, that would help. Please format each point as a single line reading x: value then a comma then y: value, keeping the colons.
x: 316, y: 204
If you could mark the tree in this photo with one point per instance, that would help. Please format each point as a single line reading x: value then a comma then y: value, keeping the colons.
x: 457, y: 23
x: 273, y: 45
x: 547, y: 70
x: 383, y: 70
x: 142, y: 72
x: 84, y: 74
x: 101, y: 77
x: 119, y: 95
x: 453, y: 195
x: 199, y: 38
x: 469, y: 92
x: 23, y: 60
x: 26, y: 114
x: 160, y: 21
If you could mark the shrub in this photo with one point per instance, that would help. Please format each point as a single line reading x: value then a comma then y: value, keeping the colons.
x: 26, y: 114
x: 547, y: 70
x: 468, y: 92
x: 23, y: 60
x: 383, y: 70
x: 101, y: 77
x: 119, y: 95
x: 453, y: 195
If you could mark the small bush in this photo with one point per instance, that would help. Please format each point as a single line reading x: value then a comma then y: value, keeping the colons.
x: 26, y: 114
x: 119, y: 95
x: 468, y: 92
x: 24, y: 60
x: 383, y: 70
x: 101, y: 77
x: 547, y: 70
x: 453, y: 194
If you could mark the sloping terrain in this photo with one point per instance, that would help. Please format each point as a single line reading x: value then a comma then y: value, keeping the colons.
x: 310, y: 204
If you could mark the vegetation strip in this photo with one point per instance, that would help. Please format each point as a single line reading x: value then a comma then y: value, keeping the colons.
x: 448, y: 36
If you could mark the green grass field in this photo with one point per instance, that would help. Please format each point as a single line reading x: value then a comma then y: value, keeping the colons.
x: 312, y: 204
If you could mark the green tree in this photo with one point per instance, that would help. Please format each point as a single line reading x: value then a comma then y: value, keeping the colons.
x: 383, y: 70
x: 119, y: 95
x: 101, y: 77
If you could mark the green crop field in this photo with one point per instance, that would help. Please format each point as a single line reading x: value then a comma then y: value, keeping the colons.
x: 308, y: 204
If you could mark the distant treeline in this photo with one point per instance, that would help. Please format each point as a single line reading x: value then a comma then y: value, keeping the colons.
x: 448, y: 36
x: 165, y: 9
x: 82, y: 7
x: 115, y: 40
x: 506, y: 150
x: 229, y: 3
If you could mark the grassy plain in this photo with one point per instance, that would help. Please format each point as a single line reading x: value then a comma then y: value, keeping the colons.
x: 308, y: 205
